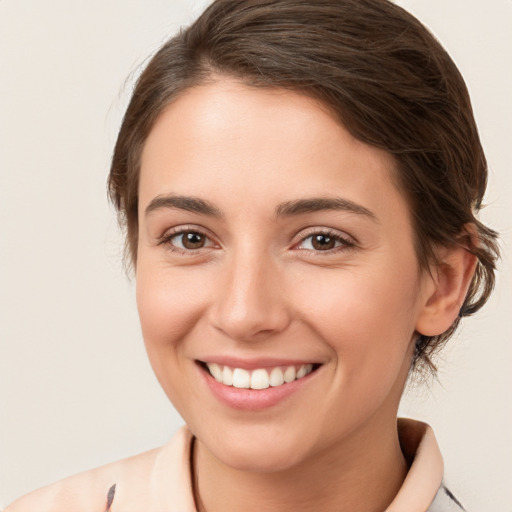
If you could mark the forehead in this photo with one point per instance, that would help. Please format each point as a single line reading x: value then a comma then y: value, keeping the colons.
x: 220, y: 138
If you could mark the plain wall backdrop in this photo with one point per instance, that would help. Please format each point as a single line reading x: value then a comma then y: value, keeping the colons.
x: 76, y: 390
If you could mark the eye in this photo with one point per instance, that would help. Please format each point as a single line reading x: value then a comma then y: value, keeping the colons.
x: 186, y: 240
x: 324, y: 241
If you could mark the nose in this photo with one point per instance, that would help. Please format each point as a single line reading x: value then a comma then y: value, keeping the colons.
x: 250, y: 303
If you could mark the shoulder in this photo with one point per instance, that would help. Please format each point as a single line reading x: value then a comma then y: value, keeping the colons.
x: 87, y: 491
x: 445, y: 501
x: 135, y: 480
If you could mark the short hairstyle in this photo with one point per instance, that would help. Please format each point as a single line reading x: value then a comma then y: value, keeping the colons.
x: 379, y: 70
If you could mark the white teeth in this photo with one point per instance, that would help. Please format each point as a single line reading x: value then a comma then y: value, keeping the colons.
x: 289, y: 374
x: 216, y: 371
x: 276, y: 377
x: 301, y: 372
x: 304, y: 370
x: 257, y: 379
x: 241, y: 378
x: 227, y: 376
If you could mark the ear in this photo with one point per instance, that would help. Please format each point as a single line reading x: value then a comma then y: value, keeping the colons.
x: 446, y: 289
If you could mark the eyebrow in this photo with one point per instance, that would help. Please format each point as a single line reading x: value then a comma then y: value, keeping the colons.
x: 286, y: 209
x: 188, y: 203
x: 317, y: 204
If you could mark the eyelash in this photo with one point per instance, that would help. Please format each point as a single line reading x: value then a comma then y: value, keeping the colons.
x: 345, y: 243
x: 167, y: 237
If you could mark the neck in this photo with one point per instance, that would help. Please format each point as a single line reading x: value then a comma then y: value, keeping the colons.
x: 361, y: 474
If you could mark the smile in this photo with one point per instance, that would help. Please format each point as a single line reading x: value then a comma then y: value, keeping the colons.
x: 260, y: 378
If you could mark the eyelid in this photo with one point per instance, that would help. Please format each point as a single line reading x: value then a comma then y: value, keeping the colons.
x: 165, y: 239
x: 347, y: 241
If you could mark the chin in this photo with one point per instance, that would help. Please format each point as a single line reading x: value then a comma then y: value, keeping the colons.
x: 258, y: 459
x: 263, y: 451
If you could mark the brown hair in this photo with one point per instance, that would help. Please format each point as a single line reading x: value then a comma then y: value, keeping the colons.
x: 384, y: 75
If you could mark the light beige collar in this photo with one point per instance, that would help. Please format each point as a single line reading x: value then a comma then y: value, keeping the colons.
x: 426, y: 472
x: 172, y: 482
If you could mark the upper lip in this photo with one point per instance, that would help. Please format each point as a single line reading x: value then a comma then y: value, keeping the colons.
x: 255, y: 363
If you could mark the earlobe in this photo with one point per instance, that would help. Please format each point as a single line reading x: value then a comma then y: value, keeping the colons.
x: 446, y: 290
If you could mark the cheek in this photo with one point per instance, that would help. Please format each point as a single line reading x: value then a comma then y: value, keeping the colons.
x: 170, y: 303
x: 366, y: 317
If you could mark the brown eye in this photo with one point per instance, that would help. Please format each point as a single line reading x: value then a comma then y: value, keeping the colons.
x: 325, y: 242
x: 322, y: 242
x: 192, y: 240
x: 186, y: 240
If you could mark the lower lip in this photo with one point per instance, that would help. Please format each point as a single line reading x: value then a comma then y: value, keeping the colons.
x: 253, y: 399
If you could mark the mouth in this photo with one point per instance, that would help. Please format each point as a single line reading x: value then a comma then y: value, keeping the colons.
x: 258, y: 378
x: 256, y: 385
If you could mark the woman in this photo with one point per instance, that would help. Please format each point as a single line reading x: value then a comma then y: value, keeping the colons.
x: 299, y: 184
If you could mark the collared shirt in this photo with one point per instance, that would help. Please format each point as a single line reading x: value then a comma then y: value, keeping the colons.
x: 160, y: 481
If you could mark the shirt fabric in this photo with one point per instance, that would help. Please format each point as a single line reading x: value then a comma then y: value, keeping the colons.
x: 160, y: 481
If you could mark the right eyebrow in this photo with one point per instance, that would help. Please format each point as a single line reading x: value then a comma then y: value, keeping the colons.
x: 318, y: 204
x: 188, y: 203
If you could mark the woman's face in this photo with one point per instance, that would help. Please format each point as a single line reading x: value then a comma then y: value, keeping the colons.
x: 272, y: 239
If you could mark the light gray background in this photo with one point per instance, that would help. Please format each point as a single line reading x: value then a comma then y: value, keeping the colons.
x: 76, y: 390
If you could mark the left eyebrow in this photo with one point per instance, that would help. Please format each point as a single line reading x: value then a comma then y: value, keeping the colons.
x: 317, y: 204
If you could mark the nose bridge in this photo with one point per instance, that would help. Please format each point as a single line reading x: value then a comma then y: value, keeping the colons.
x: 250, y: 301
